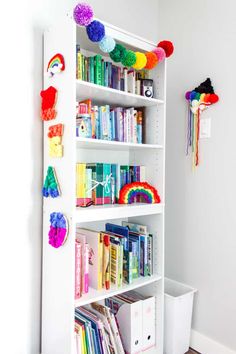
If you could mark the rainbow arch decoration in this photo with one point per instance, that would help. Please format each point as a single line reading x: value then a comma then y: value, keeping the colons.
x: 131, y: 191
x: 56, y: 64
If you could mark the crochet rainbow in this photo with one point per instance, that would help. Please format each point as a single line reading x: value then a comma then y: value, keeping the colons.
x: 130, y: 191
x: 56, y: 64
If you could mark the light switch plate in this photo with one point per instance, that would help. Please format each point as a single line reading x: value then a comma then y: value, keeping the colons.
x: 205, y: 128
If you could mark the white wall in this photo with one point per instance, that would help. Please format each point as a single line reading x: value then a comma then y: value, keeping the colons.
x: 21, y: 28
x: 200, y: 215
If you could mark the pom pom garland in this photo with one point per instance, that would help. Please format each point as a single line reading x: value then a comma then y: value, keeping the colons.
x: 118, y: 53
x: 160, y: 53
x: 167, y: 46
x: 151, y: 60
x: 95, y: 31
x: 129, y: 58
x: 141, y: 61
x: 83, y: 14
x: 107, y: 44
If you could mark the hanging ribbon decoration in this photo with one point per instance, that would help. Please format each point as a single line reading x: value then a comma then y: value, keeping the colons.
x: 199, y: 99
x: 83, y: 16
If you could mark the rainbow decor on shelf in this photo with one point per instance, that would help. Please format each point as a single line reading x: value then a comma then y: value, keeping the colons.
x: 56, y: 64
x: 130, y: 192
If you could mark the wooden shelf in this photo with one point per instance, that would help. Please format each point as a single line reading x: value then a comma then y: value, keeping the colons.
x: 116, y: 211
x: 98, y: 295
x: 86, y: 143
x: 106, y: 95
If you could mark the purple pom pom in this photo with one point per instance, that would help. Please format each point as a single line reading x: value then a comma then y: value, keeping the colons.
x: 83, y: 14
x: 95, y: 31
x: 187, y: 95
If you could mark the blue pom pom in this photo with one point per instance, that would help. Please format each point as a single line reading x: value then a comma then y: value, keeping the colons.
x: 193, y: 95
x: 95, y: 31
x: 107, y: 44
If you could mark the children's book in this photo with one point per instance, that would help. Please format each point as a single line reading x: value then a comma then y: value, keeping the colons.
x: 93, y: 238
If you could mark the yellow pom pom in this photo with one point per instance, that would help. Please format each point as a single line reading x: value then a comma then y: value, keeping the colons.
x: 141, y: 61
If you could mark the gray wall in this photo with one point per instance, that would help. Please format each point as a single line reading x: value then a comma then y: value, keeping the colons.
x: 200, y: 214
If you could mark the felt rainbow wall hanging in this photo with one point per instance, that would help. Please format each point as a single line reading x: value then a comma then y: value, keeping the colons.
x: 58, y: 230
x: 199, y: 99
x: 56, y: 64
x: 131, y: 191
x: 83, y: 16
x: 51, y: 186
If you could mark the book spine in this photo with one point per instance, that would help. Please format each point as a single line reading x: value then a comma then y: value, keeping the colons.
x: 78, y: 274
x: 106, y: 262
x: 99, y: 188
x: 150, y: 254
x: 139, y: 127
x: 118, y: 87
x: 86, y: 269
x: 113, y: 183
x: 107, y: 180
x: 79, y: 66
x: 98, y: 69
x: 102, y: 73
x: 80, y: 186
x: 125, y: 75
x: 88, y: 185
x: 91, y: 69
x: 100, y: 261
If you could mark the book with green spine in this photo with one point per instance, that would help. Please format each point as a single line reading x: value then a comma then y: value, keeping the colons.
x: 98, y: 69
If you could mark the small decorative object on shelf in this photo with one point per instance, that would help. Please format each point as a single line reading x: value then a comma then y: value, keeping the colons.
x: 58, y: 230
x: 198, y: 100
x: 55, y: 140
x: 83, y: 15
x: 49, y: 99
x: 56, y: 65
x: 131, y: 191
x: 51, y: 186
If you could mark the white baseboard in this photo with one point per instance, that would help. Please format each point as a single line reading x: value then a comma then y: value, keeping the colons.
x: 206, y: 345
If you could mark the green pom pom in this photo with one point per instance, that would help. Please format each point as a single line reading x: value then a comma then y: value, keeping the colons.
x: 118, y: 53
x: 129, y: 58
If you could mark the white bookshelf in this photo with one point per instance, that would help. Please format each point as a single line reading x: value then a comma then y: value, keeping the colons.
x: 58, y: 302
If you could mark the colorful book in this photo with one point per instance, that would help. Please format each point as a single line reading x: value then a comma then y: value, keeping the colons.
x: 94, y: 240
x: 98, y: 69
x: 78, y: 275
x: 80, y: 183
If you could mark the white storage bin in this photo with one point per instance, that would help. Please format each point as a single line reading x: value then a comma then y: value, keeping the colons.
x: 178, y: 316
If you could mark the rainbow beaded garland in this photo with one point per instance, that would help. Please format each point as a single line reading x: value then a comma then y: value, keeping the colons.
x: 131, y: 191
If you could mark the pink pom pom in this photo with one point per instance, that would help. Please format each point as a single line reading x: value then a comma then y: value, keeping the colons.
x: 160, y: 53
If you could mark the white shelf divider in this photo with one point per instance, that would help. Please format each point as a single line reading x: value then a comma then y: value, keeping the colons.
x: 87, y: 143
x: 101, y: 94
x: 98, y: 295
x: 115, y: 211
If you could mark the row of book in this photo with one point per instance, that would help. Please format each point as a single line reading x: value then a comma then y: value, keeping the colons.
x: 100, y: 183
x: 96, y: 70
x: 109, y: 123
x: 120, y: 254
x: 96, y: 331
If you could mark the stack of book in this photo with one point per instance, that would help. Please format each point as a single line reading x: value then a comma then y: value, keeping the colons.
x: 100, y: 183
x: 96, y: 70
x: 120, y: 254
x: 109, y: 123
x: 96, y: 331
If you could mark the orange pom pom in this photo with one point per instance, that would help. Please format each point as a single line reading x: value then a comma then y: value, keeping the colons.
x: 152, y: 60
